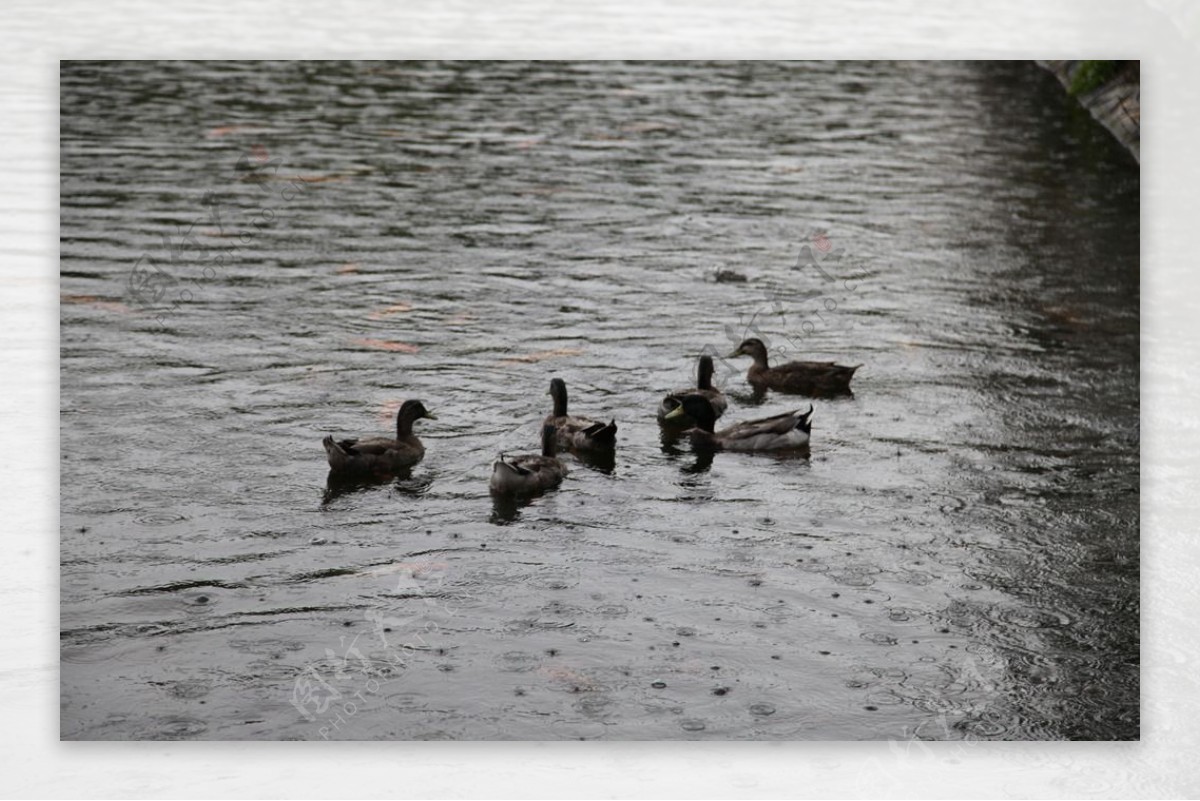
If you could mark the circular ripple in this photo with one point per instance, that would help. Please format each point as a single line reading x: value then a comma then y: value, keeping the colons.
x: 952, y: 504
x: 593, y: 705
x: 159, y: 518
x: 1028, y: 617
x: 916, y: 578
x: 853, y: 579
x: 878, y: 638
x: 899, y: 614
x: 692, y: 724
x: 939, y: 705
x: 554, y: 579
x: 762, y: 710
x: 612, y: 610
x: 172, y: 728
x: 493, y: 573
x: 981, y: 727
x: 187, y: 689
x: 984, y: 653
x: 518, y: 661
x: 86, y: 654
x: 885, y: 698
x: 406, y: 702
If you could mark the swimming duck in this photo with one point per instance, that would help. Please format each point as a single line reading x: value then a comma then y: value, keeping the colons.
x: 530, y: 473
x: 703, y: 387
x: 380, y: 455
x: 804, y: 378
x: 578, y: 433
x: 781, y: 432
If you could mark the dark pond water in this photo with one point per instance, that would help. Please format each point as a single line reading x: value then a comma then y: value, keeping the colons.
x: 957, y: 558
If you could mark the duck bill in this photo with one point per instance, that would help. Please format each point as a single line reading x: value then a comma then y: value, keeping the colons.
x: 675, y: 413
x: 735, y: 354
x: 429, y: 416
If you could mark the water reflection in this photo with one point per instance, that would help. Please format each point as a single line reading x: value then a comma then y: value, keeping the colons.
x: 402, y: 481
x: 601, y: 461
x: 701, y: 464
x: 507, y: 508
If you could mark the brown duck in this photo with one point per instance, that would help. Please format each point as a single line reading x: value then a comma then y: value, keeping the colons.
x: 578, y: 433
x: 530, y: 473
x: 802, y: 378
x: 380, y: 456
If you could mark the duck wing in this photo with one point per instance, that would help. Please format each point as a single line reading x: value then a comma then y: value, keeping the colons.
x: 814, y: 369
x: 601, y: 433
x: 809, y: 366
x: 344, y: 457
x: 787, y: 430
x: 375, y: 446
x: 526, y: 473
x: 810, y: 377
x: 581, y: 432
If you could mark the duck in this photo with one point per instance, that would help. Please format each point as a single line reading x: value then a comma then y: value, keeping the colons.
x: 703, y: 387
x: 530, y: 473
x: 789, y: 430
x: 803, y: 378
x: 380, y: 455
x: 578, y: 433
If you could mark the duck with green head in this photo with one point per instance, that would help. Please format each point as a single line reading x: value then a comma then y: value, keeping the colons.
x: 703, y: 387
x: 787, y: 431
x: 578, y: 433
x: 380, y: 456
x: 816, y: 379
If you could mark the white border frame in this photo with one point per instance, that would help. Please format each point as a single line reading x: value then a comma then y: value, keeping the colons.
x: 1164, y: 33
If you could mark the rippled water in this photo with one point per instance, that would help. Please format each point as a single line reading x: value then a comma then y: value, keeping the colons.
x: 956, y: 559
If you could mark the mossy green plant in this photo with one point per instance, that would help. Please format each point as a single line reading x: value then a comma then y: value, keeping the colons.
x: 1091, y: 75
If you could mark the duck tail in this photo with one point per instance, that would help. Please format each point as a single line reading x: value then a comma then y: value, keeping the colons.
x: 603, y: 433
x: 335, y: 455
x: 507, y: 477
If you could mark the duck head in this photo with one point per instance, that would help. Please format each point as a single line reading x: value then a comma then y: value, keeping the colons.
x: 558, y: 391
x: 410, y: 412
x: 698, y: 408
x: 754, y: 348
